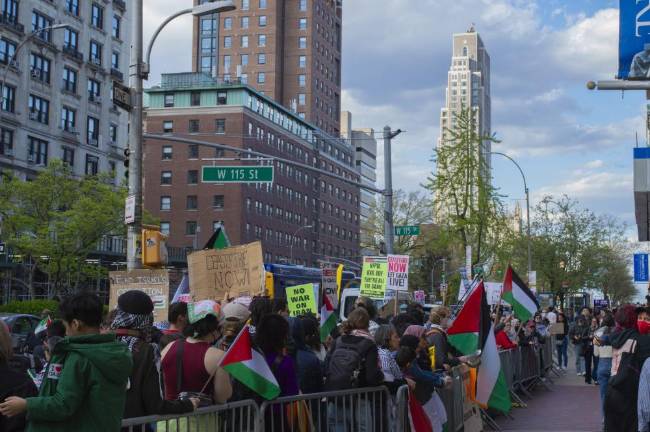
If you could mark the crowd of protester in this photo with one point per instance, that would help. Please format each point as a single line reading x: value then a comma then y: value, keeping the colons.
x: 93, y: 370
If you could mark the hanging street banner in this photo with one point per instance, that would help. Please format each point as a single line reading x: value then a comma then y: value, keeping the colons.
x: 634, y: 40
x: 398, y: 273
x: 374, y: 275
x: 329, y: 282
x: 641, y: 267
x: 301, y: 300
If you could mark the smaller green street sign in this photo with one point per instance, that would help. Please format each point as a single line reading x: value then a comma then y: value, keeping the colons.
x: 407, y: 230
x: 237, y: 174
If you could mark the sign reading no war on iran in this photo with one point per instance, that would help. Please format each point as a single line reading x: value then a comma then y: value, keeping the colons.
x: 301, y: 300
x: 231, y: 272
x: 373, y: 277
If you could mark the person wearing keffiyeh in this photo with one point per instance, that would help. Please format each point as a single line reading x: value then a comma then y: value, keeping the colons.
x: 133, y: 326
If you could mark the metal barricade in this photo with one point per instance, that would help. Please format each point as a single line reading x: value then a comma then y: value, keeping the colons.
x: 348, y: 410
x: 453, y: 399
x: 240, y: 416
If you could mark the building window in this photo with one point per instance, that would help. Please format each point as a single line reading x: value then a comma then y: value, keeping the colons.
x: 222, y: 98
x: 302, y: 23
x: 168, y: 126
x: 244, y: 41
x: 262, y: 4
x: 195, y: 98
x: 92, y: 165
x: 190, y: 228
x: 245, y: 4
x: 261, y: 58
x: 164, y: 228
x: 244, y: 22
x: 227, y: 23
x: 244, y: 78
x: 69, y: 80
x: 227, y: 42
x: 302, y: 5
x: 8, y: 98
x: 226, y: 63
x: 70, y: 39
x: 94, y: 90
x: 302, y: 80
x: 165, y: 203
x: 220, y: 126
x: 193, y: 126
x: 169, y: 100
x: 112, y: 133
x: 261, y: 77
x: 261, y: 40
x: 39, y: 109
x: 115, y: 60
x: 116, y: 26
x: 40, y: 21
x: 40, y: 67
x: 301, y: 99
x: 262, y: 20
x: 68, y: 119
x: 7, y: 50
x: 37, y: 151
x: 68, y: 156
x: 192, y: 202
x: 92, y: 131
x: 192, y: 177
x: 193, y: 151
x: 72, y: 6
x: 6, y: 142
x: 302, y: 61
x: 244, y: 60
x: 167, y: 152
x: 302, y: 42
x: 97, y: 16
x: 217, y: 202
x: 166, y: 178
x: 95, y: 53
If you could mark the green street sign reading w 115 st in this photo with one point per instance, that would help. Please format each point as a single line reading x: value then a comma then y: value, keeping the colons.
x: 237, y: 174
x: 407, y: 230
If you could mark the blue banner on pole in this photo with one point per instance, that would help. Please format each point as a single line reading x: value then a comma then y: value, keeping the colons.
x: 634, y: 40
x: 641, y: 267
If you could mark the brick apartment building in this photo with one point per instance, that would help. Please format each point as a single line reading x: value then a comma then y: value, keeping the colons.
x: 289, y: 50
x: 196, y: 106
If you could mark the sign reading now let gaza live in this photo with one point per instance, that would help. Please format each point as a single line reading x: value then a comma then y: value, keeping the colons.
x: 634, y: 40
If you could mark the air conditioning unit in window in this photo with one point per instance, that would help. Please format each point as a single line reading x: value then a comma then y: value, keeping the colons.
x: 36, y: 73
x: 96, y: 61
x: 14, y: 64
x: 9, y: 152
x: 33, y: 115
x: 30, y: 158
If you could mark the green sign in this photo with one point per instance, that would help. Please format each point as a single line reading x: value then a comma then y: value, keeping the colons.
x: 237, y: 174
x: 407, y: 230
x: 301, y: 300
x: 374, y: 275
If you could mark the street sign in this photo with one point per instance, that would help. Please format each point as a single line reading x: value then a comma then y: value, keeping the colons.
x: 237, y: 174
x: 129, y: 210
x: 640, y: 267
x: 408, y: 230
x: 122, y: 96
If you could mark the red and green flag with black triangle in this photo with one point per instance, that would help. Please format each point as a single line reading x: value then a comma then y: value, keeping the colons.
x: 218, y: 240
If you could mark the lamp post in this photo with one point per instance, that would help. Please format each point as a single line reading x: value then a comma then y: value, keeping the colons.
x: 138, y: 72
x: 29, y: 37
x: 293, y: 239
x: 388, y: 189
x: 530, y: 262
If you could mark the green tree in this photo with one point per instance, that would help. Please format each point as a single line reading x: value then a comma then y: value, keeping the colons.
x: 56, y: 221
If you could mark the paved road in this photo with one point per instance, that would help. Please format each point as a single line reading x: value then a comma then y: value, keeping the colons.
x: 570, y: 406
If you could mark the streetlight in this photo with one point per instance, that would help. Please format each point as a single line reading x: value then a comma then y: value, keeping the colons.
x: 530, y: 262
x: 138, y: 72
x: 293, y: 239
x: 20, y: 45
x: 388, y: 192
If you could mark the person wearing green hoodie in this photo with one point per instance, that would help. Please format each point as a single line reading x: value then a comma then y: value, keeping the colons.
x: 85, y: 384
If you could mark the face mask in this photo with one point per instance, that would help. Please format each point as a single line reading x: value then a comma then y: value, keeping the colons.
x: 643, y: 327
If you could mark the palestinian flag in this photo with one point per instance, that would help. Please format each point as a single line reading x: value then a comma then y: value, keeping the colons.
x: 249, y: 367
x: 182, y: 293
x: 218, y: 240
x: 519, y: 296
x: 327, y: 318
x: 473, y: 330
x: 42, y: 325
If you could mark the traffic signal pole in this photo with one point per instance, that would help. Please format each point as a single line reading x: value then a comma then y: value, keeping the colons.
x: 388, y: 190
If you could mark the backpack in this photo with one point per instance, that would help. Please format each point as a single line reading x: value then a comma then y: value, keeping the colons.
x: 346, y: 364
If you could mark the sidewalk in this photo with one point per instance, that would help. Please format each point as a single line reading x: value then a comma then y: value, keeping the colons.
x: 570, y: 406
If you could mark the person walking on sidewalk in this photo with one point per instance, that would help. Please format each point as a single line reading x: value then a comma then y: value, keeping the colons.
x: 578, y: 333
x: 603, y: 348
x: 562, y: 342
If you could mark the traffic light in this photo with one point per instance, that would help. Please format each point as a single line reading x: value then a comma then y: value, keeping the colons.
x: 127, y: 153
x: 154, y: 250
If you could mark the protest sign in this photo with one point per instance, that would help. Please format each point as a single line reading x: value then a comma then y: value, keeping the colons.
x: 301, y: 300
x: 398, y: 272
x: 226, y: 273
x: 419, y: 296
x: 329, y: 283
x: 155, y: 283
x: 374, y: 276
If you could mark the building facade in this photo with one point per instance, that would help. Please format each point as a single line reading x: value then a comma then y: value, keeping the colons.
x: 57, y: 101
x: 289, y: 50
x: 302, y: 213
x: 468, y: 87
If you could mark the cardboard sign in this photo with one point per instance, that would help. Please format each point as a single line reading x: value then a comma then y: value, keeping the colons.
x: 419, y: 296
x: 154, y: 283
x: 226, y: 273
x: 301, y: 300
x: 557, y: 329
x: 374, y: 275
x: 330, y: 286
x: 398, y: 272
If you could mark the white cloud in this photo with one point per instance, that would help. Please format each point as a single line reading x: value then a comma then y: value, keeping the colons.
x: 594, y: 164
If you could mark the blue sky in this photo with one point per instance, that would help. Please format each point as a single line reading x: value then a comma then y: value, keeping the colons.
x: 396, y: 54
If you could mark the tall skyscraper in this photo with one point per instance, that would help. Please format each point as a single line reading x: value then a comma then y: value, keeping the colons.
x: 56, y: 103
x: 468, y: 86
x: 289, y: 50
